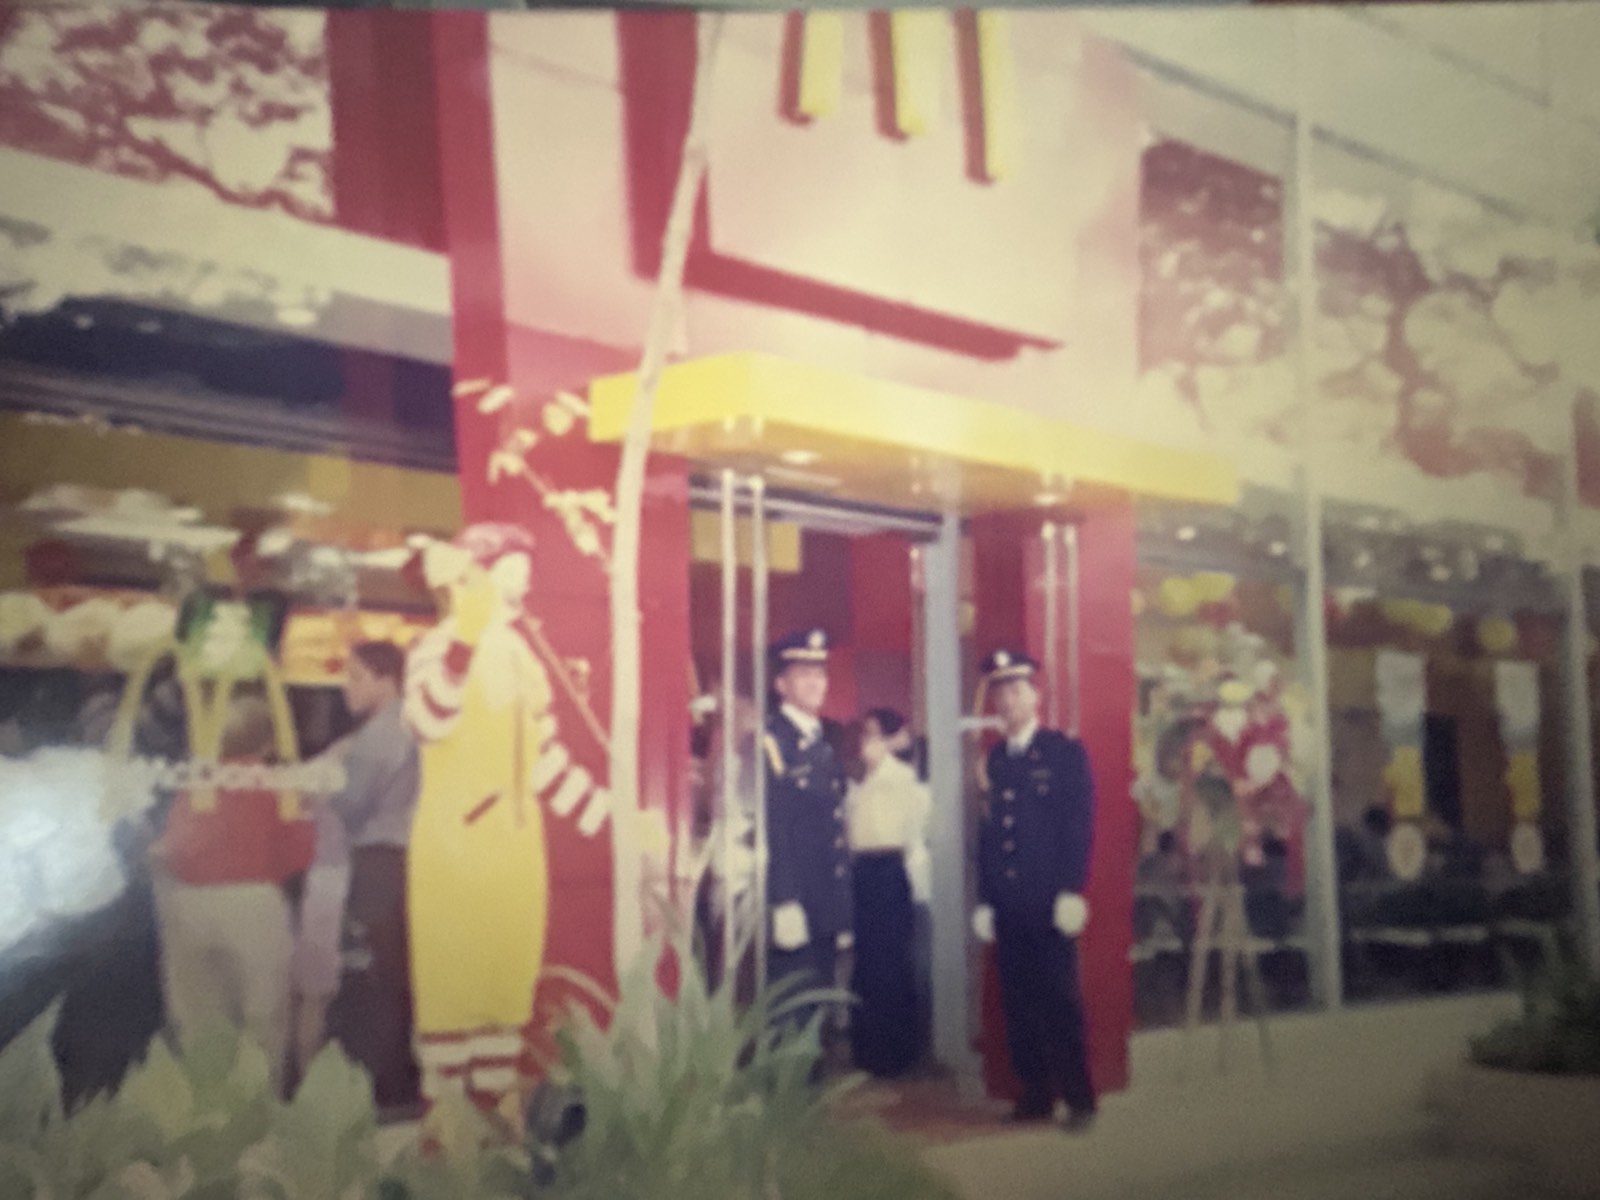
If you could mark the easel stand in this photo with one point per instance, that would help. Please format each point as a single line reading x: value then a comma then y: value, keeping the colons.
x: 1222, y: 927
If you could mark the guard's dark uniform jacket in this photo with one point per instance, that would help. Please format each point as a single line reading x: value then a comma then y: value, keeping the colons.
x: 1033, y: 845
x: 808, y: 855
x: 1035, y: 838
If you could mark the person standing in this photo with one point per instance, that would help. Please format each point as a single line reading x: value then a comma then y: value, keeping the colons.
x: 1033, y: 865
x: 352, y: 961
x: 808, y: 858
x: 222, y: 865
x: 887, y: 813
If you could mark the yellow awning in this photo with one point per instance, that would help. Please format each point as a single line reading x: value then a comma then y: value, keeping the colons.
x: 873, y: 441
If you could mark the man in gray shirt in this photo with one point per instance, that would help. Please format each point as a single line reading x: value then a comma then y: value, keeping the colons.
x: 353, y: 963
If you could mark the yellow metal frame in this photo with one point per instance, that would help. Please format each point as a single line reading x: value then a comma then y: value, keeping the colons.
x: 207, y: 718
x: 894, y: 443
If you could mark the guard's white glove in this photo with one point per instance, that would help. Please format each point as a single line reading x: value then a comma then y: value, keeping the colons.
x: 983, y: 923
x: 846, y: 940
x: 919, y: 872
x: 1072, y: 913
x: 789, y: 930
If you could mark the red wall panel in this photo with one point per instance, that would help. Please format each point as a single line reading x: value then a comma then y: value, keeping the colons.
x: 570, y: 594
x: 1009, y: 595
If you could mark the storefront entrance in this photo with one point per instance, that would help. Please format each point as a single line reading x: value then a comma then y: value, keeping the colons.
x: 771, y: 560
x: 920, y: 531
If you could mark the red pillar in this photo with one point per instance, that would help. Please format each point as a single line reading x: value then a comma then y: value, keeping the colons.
x: 1009, y: 594
x: 571, y: 594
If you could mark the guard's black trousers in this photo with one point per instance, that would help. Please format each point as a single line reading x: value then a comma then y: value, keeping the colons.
x: 1043, y: 1002
x: 815, y: 963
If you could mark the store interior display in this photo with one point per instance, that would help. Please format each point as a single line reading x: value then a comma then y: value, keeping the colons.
x: 1443, y: 642
x: 110, y: 592
x: 1218, y: 742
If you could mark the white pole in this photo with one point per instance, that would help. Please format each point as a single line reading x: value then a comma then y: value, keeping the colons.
x: 1582, y: 851
x: 626, y: 863
x: 1322, y: 879
x: 952, y: 956
x: 1052, y: 621
x: 1069, y: 543
x: 758, y: 687
x: 730, y: 730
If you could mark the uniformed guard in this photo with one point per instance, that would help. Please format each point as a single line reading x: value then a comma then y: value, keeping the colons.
x: 1033, y: 864
x: 808, y: 863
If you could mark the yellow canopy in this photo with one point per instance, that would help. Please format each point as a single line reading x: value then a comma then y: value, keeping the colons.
x: 889, y: 443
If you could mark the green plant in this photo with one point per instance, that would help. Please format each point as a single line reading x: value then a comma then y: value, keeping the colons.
x: 690, y: 1095
x: 1558, y: 1030
x: 685, y: 1094
x: 177, y: 1127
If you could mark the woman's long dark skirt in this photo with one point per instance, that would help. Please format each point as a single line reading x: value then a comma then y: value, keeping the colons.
x: 883, y: 1024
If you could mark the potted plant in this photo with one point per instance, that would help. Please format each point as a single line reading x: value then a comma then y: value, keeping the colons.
x: 1532, y: 1087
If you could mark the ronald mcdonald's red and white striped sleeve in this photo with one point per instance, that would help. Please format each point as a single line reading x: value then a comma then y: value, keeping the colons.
x: 436, y: 674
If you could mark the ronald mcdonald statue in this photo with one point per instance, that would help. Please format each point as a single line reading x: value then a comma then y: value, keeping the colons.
x: 479, y: 697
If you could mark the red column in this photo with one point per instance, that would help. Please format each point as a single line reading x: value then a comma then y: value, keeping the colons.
x: 1009, y: 595
x: 1106, y: 573
x: 570, y: 596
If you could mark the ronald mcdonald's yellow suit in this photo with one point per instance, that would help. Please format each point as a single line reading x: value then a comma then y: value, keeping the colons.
x: 479, y: 699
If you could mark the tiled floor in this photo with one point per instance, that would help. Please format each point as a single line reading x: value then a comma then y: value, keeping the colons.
x: 1342, y: 1116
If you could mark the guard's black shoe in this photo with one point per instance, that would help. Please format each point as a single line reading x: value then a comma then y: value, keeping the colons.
x: 1079, y: 1120
x: 1029, y: 1110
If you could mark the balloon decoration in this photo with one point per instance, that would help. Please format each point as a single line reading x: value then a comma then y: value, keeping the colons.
x: 1176, y: 597
x: 1516, y: 696
x: 1401, y: 694
x: 1418, y: 616
x: 1497, y: 635
x: 1207, y: 596
x: 81, y: 628
x: 1213, y: 750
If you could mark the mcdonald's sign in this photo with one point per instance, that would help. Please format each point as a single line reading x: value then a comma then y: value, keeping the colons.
x: 916, y: 40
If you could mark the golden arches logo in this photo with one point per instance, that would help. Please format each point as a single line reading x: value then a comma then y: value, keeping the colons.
x: 208, y: 690
x: 917, y: 37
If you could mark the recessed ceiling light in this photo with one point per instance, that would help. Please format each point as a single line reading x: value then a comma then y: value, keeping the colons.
x: 800, y: 458
x: 1046, y: 499
x: 806, y: 479
x: 1278, y: 549
x: 1187, y: 533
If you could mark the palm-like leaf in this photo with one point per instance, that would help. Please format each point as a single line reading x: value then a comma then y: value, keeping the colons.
x: 692, y: 1094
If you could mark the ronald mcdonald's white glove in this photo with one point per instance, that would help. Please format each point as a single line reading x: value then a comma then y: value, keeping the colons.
x: 789, y: 930
x: 983, y: 924
x: 1072, y: 914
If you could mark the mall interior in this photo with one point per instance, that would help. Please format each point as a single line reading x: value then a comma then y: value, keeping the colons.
x: 1235, y: 363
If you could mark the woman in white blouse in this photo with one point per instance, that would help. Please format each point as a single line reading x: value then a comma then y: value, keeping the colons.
x: 887, y: 813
